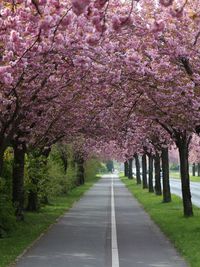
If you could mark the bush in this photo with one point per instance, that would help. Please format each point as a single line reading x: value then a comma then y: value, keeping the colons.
x: 36, y: 179
x: 92, y: 167
x: 61, y: 181
x: 56, y: 177
x: 7, y: 217
x: 174, y: 167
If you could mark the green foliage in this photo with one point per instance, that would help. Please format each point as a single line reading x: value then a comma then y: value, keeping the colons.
x: 183, y: 232
x: 55, y: 177
x: 55, y: 157
x: 36, y: 179
x: 44, y: 176
x: 7, y: 218
x: 60, y: 181
x: 174, y: 167
x: 92, y: 167
x: 47, y: 176
x: 110, y: 165
x: 71, y: 177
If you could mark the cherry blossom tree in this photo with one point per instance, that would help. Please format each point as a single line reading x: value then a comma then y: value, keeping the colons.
x: 120, y: 78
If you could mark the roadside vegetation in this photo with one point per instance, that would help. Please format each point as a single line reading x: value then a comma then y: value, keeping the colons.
x: 194, y: 172
x: 183, y: 232
x: 176, y: 175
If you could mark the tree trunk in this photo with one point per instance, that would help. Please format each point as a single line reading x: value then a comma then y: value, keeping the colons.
x: 130, y: 168
x: 33, y: 202
x: 144, y: 171
x: 193, y: 169
x: 45, y: 200
x: 198, y: 167
x: 126, y: 168
x: 18, y: 182
x: 64, y: 159
x: 80, y: 172
x: 37, y: 171
x: 137, y: 164
x: 3, y: 147
x: 65, y: 166
x: 183, y: 144
x: 1, y: 162
x: 158, y: 189
x: 165, y: 174
x: 150, y: 174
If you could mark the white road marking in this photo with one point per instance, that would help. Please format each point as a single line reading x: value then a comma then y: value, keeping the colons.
x: 114, y: 246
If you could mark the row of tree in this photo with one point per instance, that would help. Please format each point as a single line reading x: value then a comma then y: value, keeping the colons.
x: 115, y: 78
x: 158, y: 169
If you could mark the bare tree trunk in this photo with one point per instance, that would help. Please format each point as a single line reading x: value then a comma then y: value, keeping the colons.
x: 183, y: 144
x: 33, y: 201
x: 64, y: 156
x: 137, y: 164
x: 165, y: 173
x: 18, y: 182
x: 34, y: 169
x: 158, y: 189
x: 45, y: 200
x: 144, y: 171
x: 130, y: 169
x: 194, y: 169
x: 198, y: 169
x: 150, y: 174
x: 81, y: 171
x: 126, y: 168
x: 2, y: 151
x: 37, y: 164
x: 1, y: 162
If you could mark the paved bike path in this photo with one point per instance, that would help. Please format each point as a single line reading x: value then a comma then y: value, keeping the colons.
x: 85, y: 236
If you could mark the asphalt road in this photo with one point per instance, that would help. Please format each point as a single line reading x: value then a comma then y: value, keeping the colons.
x: 175, y: 185
x: 106, y: 228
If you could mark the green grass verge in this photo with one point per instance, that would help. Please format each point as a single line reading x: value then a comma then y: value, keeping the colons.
x: 36, y: 223
x: 183, y: 232
x: 177, y: 175
x: 174, y: 174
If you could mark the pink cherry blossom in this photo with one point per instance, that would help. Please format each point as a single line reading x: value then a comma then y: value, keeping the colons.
x: 79, y: 6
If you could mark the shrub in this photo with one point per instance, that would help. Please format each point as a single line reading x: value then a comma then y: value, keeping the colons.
x: 7, y: 217
x: 174, y: 167
x: 92, y: 167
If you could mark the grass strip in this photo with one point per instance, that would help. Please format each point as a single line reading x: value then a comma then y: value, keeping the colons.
x: 176, y: 175
x: 36, y: 223
x: 183, y: 232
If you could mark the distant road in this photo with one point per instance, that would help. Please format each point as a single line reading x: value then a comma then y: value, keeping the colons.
x: 175, y: 185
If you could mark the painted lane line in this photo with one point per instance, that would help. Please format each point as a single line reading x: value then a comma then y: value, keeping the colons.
x: 114, y: 246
